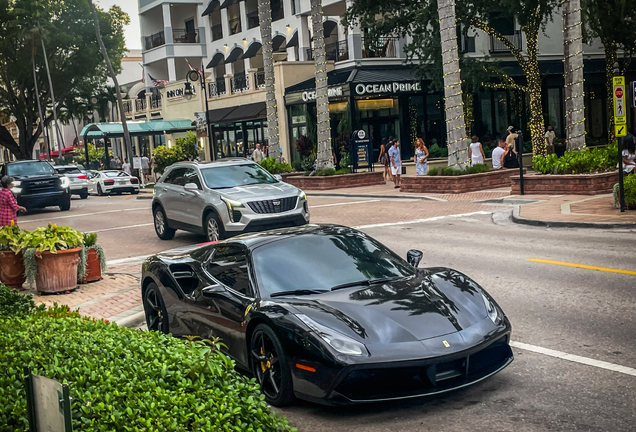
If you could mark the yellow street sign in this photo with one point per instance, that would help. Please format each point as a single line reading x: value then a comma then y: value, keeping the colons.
x: 620, y: 130
x: 620, y: 115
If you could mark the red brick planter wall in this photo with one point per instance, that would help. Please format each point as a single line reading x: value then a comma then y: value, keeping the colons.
x: 335, y: 182
x: 575, y: 184
x: 457, y: 184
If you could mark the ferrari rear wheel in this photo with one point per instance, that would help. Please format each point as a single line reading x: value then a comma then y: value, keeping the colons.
x: 155, y: 309
x: 270, y: 367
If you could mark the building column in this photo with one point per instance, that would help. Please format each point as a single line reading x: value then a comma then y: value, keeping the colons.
x: 304, y: 38
x: 167, y: 23
x: 247, y: 66
x: 229, y: 73
x: 225, y: 24
x: 251, y: 77
x: 172, y: 70
x: 243, y: 15
x: 354, y: 39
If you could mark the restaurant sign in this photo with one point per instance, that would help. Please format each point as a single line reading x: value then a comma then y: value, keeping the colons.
x: 396, y: 87
x: 177, y: 93
x: 332, y: 92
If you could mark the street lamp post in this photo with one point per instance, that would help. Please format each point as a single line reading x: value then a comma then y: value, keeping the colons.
x: 194, y: 76
x: 90, y: 118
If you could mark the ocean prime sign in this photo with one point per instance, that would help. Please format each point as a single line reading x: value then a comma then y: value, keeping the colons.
x: 388, y: 88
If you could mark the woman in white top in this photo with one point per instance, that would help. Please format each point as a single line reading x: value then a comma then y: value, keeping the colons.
x: 629, y: 155
x: 477, y: 155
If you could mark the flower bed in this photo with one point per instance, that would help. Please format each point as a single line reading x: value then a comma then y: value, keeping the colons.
x: 457, y: 184
x: 335, y: 181
x: 575, y: 184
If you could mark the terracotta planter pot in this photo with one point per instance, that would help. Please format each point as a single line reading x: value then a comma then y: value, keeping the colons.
x: 93, y: 269
x: 11, y: 269
x: 57, y: 272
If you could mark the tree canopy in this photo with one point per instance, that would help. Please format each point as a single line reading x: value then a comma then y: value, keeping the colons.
x: 77, y: 66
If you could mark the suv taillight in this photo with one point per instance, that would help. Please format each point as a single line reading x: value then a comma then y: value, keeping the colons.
x: 109, y: 182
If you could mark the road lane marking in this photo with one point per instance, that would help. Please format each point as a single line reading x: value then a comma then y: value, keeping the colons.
x: 582, y: 266
x: 575, y: 358
x: 416, y: 221
x: 344, y: 203
x: 124, y: 227
x: 82, y: 215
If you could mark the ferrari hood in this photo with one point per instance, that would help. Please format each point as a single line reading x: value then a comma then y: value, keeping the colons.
x: 429, y: 305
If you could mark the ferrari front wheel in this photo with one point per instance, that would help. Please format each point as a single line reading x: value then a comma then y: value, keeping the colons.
x: 270, y: 367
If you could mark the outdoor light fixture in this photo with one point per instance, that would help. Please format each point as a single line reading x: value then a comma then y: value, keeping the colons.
x: 93, y: 100
x: 187, y: 90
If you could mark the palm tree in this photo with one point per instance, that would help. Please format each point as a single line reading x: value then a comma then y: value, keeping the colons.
x: 455, y: 125
x: 324, y: 158
x: 265, y: 24
x: 48, y: 74
x: 573, y: 72
x: 113, y: 76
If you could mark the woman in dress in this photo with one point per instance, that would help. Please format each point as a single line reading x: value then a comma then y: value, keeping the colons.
x: 477, y: 155
x: 421, y: 157
x: 384, y: 160
x: 629, y: 155
x: 8, y: 206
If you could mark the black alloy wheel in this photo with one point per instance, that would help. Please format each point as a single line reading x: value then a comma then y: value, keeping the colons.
x: 270, y: 367
x: 163, y: 231
x: 155, y: 309
x: 100, y: 192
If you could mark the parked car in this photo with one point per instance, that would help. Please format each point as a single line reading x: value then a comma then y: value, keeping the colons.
x: 111, y: 182
x: 79, y: 182
x: 328, y: 314
x: 223, y: 198
x: 38, y: 185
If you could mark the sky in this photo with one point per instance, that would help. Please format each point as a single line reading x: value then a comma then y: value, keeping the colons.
x: 132, y: 32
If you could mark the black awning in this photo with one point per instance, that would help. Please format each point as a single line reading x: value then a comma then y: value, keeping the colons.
x: 234, y: 55
x: 247, y: 112
x: 252, y: 49
x: 334, y: 78
x: 277, y: 41
x: 293, y: 42
x: 227, y: 3
x: 216, y: 59
x: 328, y: 27
x: 217, y: 115
x: 211, y: 7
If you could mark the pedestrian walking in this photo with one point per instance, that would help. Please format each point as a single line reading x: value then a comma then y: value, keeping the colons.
x: 8, y: 205
x: 477, y: 155
x: 257, y: 154
x: 421, y: 157
x: 126, y: 166
x: 384, y: 160
x: 629, y: 155
x: 510, y: 139
x: 396, y: 163
x: 145, y: 168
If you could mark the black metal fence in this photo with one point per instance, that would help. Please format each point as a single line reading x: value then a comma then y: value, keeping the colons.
x: 155, y: 40
x: 240, y: 83
x: 217, y: 88
x: 185, y: 36
x: 497, y: 46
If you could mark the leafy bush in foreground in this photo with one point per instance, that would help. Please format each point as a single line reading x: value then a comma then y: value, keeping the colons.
x: 588, y: 160
x: 123, y: 379
x: 13, y: 303
x: 274, y: 167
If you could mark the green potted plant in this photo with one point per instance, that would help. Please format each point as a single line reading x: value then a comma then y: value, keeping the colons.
x: 11, y: 260
x: 629, y: 183
x: 51, y: 258
x: 92, y: 259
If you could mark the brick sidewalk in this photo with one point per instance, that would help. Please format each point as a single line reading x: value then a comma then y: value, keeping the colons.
x: 598, y: 209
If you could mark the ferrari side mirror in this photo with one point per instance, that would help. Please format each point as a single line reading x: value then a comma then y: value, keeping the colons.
x: 414, y: 257
x: 212, y: 290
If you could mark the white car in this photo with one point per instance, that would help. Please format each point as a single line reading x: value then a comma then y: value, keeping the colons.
x: 111, y: 182
x: 77, y: 178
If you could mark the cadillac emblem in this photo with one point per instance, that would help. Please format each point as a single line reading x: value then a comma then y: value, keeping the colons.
x: 276, y: 202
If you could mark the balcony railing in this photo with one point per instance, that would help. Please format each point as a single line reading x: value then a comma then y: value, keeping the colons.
x: 240, y: 83
x: 185, y: 36
x: 252, y: 20
x: 235, y: 26
x: 155, y: 102
x: 337, y: 51
x: 497, y: 46
x: 259, y: 78
x: 381, y: 47
x: 154, y: 40
x: 128, y: 106
x: 216, y: 88
x: 140, y: 104
x: 217, y: 32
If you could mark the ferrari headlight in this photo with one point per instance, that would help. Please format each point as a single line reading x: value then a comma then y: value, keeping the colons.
x: 491, y: 309
x: 231, y: 204
x: 341, y: 343
x: 64, y: 182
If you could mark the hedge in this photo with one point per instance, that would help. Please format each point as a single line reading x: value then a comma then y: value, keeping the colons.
x: 588, y: 160
x: 127, y: 380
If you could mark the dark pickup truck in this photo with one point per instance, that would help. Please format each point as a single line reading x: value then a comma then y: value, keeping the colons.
x: 36, y: 184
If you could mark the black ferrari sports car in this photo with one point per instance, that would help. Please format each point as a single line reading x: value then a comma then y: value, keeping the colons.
x: 327, y: 314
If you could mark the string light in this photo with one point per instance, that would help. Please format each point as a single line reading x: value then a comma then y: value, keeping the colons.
x: 265, y: 16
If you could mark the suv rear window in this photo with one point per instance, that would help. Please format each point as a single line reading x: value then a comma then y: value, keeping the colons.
x: 30, y: 169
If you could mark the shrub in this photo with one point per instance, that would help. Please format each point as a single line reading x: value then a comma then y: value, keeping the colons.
x: 433, y: 172
x: 448, y: 171
x: 326, y: 172
x: 443, y: 152
x: 304, y: 146
x: 183, y: 149
x: 629, y: 183
x: 124, y: 379
x: 345, y: 159
x: 53, y: 238
x: 12, y: 303
x: 434, y: 151
x: 343, y: 171
x: 11, y: 238
x: 477, y: 168
x: 588, y: 160
x: 274, y: 167
x: 297, y: 165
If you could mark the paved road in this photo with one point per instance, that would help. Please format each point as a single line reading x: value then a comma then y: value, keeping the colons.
x: 588, y: 313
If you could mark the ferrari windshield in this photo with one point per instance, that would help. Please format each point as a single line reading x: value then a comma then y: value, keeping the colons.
x: 223, y: 177
x: 321, y: 262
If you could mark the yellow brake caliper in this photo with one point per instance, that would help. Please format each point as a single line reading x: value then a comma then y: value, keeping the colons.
x: 264, y: 365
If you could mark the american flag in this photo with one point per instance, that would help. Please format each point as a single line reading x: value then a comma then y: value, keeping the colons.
x: 192, y: 67
x: 157, y: 82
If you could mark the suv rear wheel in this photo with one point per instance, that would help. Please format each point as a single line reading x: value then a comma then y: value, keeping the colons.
x: 213, y: 228
x: 164, y: 232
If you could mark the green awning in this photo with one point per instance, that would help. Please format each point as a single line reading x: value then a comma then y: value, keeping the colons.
x: 136, y: 128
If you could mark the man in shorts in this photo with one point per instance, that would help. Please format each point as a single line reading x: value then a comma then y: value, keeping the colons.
x: 396, y: 163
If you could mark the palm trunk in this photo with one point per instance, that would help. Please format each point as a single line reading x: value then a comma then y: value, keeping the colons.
x: 324, y: 158
x: 610, y: 58
x: 42, y: 118
x: 573, y: 68
x: 455, y: 124
x: 48, y: 74
x: 113, y: 76
x: 265, y: 23
x: 533, y: 78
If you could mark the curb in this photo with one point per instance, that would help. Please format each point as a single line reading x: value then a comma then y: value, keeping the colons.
x: 132, y: 321
x: 344, y: 195
x: 516, y: 218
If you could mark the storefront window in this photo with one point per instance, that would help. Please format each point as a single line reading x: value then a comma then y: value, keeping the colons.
x: 555, y: 119
x: 298, y: 128
x: 434, y: 120
x: 501, y: 113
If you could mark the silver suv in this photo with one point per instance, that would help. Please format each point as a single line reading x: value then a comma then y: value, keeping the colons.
x: 223, y: 198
